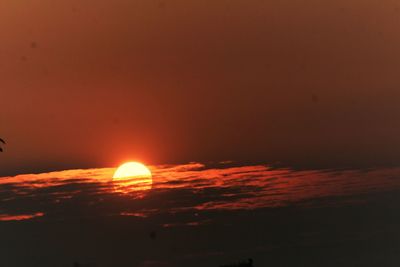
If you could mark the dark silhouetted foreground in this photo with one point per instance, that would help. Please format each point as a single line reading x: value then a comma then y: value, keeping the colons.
x: 77, y: 264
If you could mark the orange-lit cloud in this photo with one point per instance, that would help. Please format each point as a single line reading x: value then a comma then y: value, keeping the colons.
x: 22, y: 217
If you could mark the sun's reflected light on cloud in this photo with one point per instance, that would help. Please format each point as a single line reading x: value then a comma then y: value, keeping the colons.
x: 21, y: 217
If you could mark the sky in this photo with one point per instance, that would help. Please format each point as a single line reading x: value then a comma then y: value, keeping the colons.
x: 95, y: 83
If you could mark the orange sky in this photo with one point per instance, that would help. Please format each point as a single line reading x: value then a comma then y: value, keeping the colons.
x: 304, y: 83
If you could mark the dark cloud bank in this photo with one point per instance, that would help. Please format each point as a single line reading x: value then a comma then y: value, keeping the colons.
x: 200, y: 216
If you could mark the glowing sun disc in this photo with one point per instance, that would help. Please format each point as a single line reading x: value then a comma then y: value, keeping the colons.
x: 131, y: 177
x: 132, y: 170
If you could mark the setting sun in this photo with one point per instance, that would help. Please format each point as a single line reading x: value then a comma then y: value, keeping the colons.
x: 132, y: 176
x: 132, y: 170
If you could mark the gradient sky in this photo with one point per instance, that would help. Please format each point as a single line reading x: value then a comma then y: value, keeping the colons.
x: 93, y: 83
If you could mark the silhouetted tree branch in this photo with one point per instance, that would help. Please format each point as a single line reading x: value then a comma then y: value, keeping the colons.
x: 2, y: 141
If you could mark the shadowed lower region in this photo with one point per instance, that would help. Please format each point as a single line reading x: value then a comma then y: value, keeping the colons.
x: 202, y: 215
x: 248, y: 263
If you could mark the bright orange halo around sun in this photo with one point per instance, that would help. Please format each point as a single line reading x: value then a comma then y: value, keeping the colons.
x: 132, y: 176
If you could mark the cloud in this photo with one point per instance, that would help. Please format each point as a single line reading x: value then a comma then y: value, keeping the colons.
x: 181, y: 189
x: 21, y: 217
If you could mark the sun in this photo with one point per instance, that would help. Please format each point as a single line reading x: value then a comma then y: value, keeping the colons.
x: 132, y: 170
x: 132, y: 176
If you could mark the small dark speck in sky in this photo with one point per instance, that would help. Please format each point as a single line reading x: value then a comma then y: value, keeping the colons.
x: 116, y: 120
x: 34, y: 45
x: 314, y: 98
x: 45, y: 71
x: 161, y: 4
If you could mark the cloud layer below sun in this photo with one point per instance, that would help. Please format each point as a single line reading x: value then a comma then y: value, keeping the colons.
x: 188, y: 188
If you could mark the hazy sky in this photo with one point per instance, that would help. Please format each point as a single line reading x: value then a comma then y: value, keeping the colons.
x: 93, y: 83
